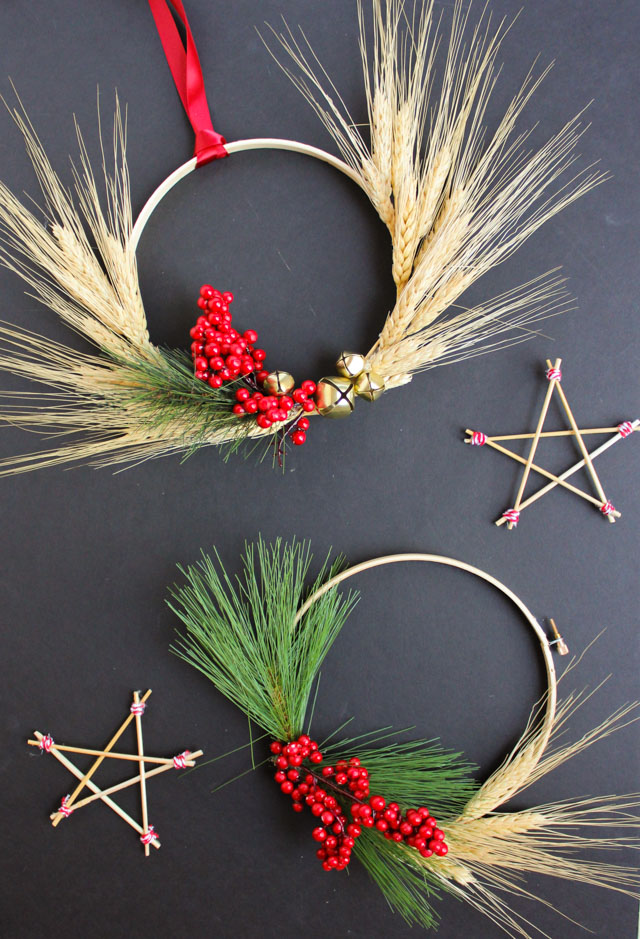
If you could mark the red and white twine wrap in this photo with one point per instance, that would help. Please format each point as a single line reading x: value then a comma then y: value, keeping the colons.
x: 607, y: 508
x: 625, y: 429
x: 65, y: 809
x: 180, y: 761
x: 46, y: 743
x: 137, y: 708
x: 478, y: 439
x: 554, y: 374
x: 148, y: 836
x: 513, y: 516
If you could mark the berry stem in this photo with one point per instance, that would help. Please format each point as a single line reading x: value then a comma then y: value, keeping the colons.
x: 325, y: 782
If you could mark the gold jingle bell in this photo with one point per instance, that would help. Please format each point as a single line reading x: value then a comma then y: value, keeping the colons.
x: 334, y: 396
x: 350, y: 364
x: 369, y: 385
x: 278, y: 383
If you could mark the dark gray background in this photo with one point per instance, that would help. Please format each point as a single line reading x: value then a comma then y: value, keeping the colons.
x: 87, y: 555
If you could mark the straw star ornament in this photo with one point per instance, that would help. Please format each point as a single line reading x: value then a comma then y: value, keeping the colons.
x: 511, y: 516
x: 71, y: 802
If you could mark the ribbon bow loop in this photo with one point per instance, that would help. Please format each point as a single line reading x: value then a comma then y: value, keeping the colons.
x: 186, y: 70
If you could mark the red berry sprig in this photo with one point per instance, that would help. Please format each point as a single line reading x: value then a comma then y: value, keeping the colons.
x: 221, y: 354
x: 417, y: 827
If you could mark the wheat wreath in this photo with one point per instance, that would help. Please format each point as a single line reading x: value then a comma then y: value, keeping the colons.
x: 456, y: 199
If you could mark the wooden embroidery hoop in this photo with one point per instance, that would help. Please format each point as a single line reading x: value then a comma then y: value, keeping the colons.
x: 551, y: 695
x: 238, y: 146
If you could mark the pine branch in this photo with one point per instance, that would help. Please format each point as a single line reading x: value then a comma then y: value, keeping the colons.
x: 409, y: 888
x: 117, y: 407
x: 413, y: 773
x: 241, y: 634
x: 165, y: 392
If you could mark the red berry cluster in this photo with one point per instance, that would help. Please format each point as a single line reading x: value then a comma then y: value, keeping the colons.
x: 336, y: 835
x: 417, y: 827
x: 221, y: 354
x: 349, y: 780
x: 274, y: 409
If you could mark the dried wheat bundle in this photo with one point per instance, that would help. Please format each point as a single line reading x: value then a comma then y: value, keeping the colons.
x: 262, y: 642
x: 456, y: 202
x: 491, y: 850
x: 128, y: 400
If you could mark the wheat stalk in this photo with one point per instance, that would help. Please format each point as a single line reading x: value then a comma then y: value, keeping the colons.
x: 489, y: 850
x: 117, y: 401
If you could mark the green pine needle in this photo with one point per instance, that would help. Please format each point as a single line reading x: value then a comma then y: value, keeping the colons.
x: 408, y: 887
x: 241, y: 635
x: 165, y: 393
x: 413, y: 773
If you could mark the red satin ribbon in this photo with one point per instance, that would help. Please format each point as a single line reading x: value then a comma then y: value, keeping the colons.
x: 187, y: 74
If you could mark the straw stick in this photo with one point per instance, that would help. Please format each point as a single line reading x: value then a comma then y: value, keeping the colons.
x: 143, y: 785
x: 129, y: 782
x: 91, y: 785
x: 534, y: 443
x: 569, y: 472
x: 585, y: 452
x: 557, y: 480
x: 105, y: 753
x: 118, y: 787
x: 85, y: 779
x: 556, y: 433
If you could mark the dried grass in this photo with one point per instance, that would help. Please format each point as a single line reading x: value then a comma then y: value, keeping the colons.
x: 78, y: 263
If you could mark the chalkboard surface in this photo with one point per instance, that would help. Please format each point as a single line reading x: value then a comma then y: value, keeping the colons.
x: 87, y: 555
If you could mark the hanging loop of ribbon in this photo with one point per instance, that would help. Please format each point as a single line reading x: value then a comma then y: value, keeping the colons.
x: 187, y: 75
